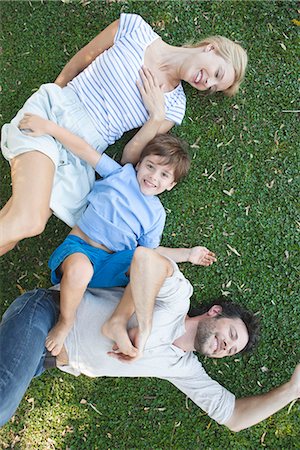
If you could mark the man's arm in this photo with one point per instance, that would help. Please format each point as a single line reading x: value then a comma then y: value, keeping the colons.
x: 252, y: 410
x: 87, y: 54
x: 200, y: 256
x: 37, y: 126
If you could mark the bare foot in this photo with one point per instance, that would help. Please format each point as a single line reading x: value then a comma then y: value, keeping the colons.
x: 139, y: 339
x: 117, y: 333
x: 62, y: 359
x: 56, y: 337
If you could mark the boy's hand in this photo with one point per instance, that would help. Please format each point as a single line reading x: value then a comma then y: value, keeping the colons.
x: 34, y: 125
x: 201, y: 256
x: 152, y: 95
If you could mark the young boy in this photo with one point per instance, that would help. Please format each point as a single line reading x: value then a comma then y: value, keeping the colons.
x: 123, y: 212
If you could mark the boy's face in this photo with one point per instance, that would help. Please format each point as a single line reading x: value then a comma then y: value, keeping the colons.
x: 154, y: 177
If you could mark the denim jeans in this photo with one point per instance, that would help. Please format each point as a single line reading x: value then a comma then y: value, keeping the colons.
x: 23, y: 331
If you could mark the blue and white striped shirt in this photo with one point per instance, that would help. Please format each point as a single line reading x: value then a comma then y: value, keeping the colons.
x: 107, y: 87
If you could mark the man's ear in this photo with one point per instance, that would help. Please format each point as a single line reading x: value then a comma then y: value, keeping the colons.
x: 171, y: 186
x: 214, y: 311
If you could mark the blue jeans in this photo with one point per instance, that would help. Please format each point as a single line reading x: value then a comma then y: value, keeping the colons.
x: 23, y: 331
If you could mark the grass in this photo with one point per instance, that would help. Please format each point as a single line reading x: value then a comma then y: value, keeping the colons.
x: 246, y: 144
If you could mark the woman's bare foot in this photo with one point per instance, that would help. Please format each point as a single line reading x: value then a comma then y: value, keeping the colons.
x: 117, y: 333
x: 56, y: 337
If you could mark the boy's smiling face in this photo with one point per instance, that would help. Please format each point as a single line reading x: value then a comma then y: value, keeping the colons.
x: 153, y: 176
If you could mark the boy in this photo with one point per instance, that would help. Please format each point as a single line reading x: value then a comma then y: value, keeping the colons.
x: 123, y: 212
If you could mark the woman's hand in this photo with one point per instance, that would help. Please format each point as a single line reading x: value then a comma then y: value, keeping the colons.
x: 34, y: 125
x: 152, y: 95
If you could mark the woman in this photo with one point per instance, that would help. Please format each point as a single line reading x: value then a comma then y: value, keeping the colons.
x: 96, y: 97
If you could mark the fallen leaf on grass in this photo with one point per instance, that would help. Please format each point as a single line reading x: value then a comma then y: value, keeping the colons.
x: 262, y: 439
x: 195, y: 144
x: 291, y: 405
x: 21, y: 289
x: 296, y: 22
x: 271, y: 184
x: 233, y: 250
x: 282, y: 45
x: 229, y: 193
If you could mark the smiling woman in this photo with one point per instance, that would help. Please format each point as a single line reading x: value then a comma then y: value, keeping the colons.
x: 97, y: 96
x: 225, y: 67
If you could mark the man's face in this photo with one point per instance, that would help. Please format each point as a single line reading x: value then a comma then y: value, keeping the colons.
x: 219, y: 337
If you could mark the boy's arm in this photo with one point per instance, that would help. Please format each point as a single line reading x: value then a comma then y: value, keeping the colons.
x: 199, y: 256
x: 252, y: 410
x: 37, y: 126
x: 154, y: 101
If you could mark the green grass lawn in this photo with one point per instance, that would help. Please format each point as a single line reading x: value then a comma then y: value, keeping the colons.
x: 246, y: 146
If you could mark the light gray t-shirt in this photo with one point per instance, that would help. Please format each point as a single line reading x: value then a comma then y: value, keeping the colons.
x: 87, y: 347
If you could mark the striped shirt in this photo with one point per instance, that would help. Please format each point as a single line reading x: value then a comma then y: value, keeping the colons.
x: 107, y: 87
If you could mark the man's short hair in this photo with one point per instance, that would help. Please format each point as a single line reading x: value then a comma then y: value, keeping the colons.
x: 233, y: 311
x: 174, y: 152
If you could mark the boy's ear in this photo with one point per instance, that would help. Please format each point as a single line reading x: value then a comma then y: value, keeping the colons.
x: 137, y: 166
x: 171, y: 185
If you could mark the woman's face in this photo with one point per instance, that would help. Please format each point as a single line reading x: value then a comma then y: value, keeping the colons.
x: 207, y: 70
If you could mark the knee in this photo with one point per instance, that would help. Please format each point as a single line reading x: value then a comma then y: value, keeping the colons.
x: 143, y: 254
x: 29, y: 224
x: 35, y: 226
x: 77, y: 270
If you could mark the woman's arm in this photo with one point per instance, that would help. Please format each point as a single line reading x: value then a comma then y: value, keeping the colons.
x: 199, y: 256
x: 252, y: 410
x: 37, y: 126
x: 133, y: 149
x: 154, y: 101
x: 87, y: 54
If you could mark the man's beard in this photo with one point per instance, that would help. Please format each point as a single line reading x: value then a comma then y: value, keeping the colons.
x: 204, y: 331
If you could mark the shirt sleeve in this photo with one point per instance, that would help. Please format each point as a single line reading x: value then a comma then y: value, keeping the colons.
x: 205, y: 392
x: 127, y: 24
x: 152, y: 238
x: 106, y: 166
x: 175, y: 107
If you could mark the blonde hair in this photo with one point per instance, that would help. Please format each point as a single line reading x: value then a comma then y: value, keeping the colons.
x: 232, y: 53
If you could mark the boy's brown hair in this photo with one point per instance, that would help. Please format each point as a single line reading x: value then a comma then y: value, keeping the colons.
x: 174, y: 152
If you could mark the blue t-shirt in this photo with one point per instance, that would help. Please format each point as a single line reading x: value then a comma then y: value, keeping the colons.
x: 119, y: 215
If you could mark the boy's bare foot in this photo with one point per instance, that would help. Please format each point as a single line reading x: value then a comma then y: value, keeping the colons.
x: 117, y: 333
x: 56, y: 337
x: 139, y: 338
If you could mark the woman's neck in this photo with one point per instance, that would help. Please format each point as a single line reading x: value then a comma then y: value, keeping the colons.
x: 166, y: 61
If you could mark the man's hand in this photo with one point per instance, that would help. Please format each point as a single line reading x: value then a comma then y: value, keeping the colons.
x: 201, y: 256
x: 34, y: 125
x: 152, y: 95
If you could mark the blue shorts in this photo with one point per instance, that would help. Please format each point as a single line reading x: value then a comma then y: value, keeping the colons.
x: 109, y: 268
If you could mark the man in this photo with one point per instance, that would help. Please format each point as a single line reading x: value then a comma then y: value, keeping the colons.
x: 168, y: 349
